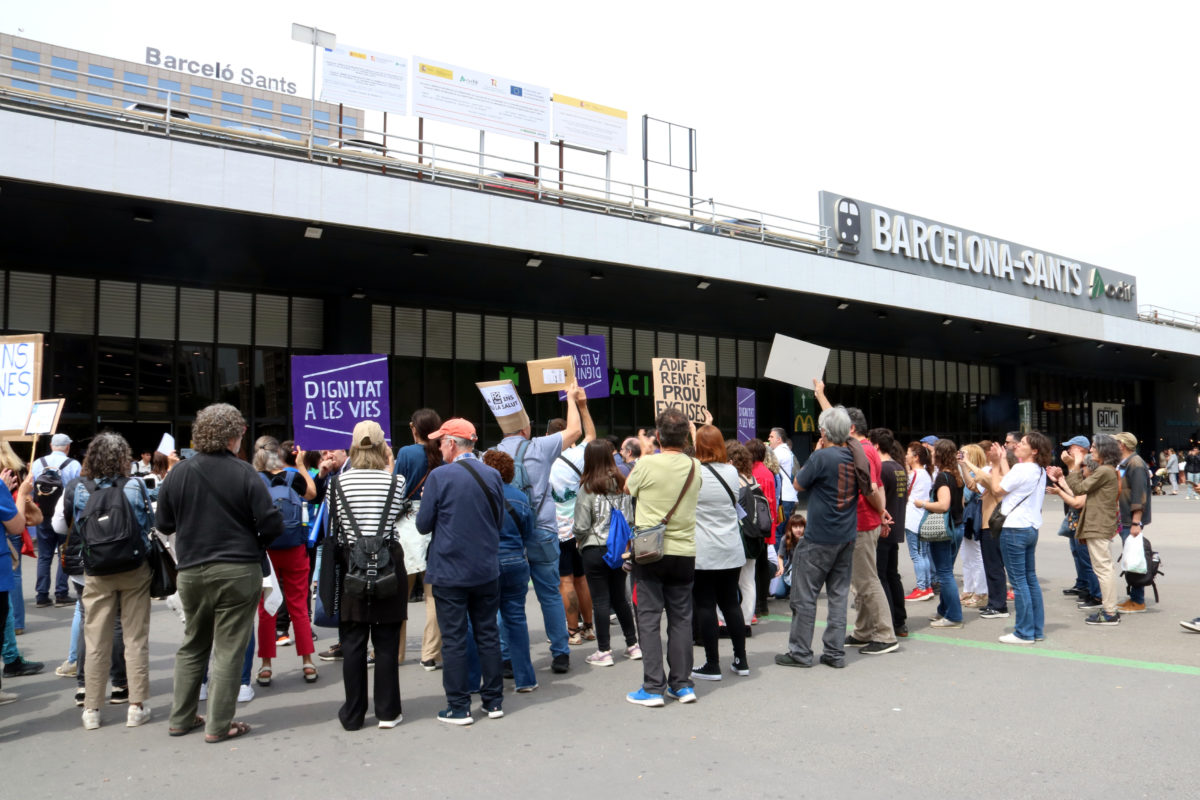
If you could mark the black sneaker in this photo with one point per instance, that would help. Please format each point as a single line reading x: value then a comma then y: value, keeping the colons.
x: 852, y: 641
x: 1089, y: 603
x: 120, y: 694
x: 1074, y: 590
x: 561, y: 664
x: 740, y: 667
x: 1102, y: 618
x: 332, y: 654
x: 429, y: 666
x: 830, y: 661
x: 80, y: 696
x: 43, y: 603
x: 993, y: 613
x: 877, y: 648
x: 708, y: 672
x: 20, y: 668
x: 59, y: 602
x: 902, y: 631
x: 506, y: 670
x: 789, y: 660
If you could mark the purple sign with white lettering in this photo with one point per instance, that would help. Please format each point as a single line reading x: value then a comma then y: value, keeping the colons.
x: 747, y: 420
x: 331, y: 394
x: 591, y: 363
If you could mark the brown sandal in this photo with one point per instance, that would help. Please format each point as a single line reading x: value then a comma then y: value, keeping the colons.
x: 236, y: 729
x: 198, y: 722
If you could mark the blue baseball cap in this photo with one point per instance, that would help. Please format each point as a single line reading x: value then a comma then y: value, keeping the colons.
x: 1081, y: 441
x: 930, y: 440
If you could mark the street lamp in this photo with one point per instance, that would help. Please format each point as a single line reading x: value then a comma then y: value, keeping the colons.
x: 317, y: 38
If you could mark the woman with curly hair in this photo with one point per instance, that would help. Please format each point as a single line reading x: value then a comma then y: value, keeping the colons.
x: 223, y: 518
x: 946, y: 497
x: 105, y: 596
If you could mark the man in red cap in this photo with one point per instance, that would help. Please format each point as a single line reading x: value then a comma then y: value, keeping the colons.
x: 461, y: 505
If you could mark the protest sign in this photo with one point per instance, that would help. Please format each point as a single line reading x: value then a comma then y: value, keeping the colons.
x: 747, y: 422
x: 331, y: 394
x: 591, y: 364
x: 795, y: 361
x: 43, y: 417
x: 166, y: 445
x: 679, y: 383
x: 551, y: 374
x: 20, y: 381
x: 502, y: 398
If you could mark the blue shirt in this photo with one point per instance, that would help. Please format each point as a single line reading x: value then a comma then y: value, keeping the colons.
x: 412, y: 463
x: 465, y: 524
x: 517, y: 528
x: 8, y: 510
x: 828, y: 477
x: 539, y: 458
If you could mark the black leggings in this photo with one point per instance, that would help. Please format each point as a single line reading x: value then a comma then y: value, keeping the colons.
x: 719, y: 587
x: 887, y: 565
x: 607, y: 586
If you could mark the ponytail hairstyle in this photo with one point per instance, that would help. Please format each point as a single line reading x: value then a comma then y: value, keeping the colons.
x: 424, y: 422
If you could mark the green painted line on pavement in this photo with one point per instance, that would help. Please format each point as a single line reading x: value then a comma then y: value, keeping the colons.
x: 1036, y: 650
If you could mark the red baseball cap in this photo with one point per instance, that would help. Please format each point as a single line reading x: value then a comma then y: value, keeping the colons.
x: 455, y: 427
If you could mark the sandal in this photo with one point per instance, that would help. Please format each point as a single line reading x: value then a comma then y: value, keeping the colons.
x: 236, y: 729
x: 575, y: 638
x: 264, y: 676
x: 589, y: 633
x: 198, y: 722
x: 310, y: 673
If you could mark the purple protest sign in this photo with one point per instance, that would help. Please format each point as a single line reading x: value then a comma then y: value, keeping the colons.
x: 591, y: 363
x: 747, y: 420
x: 330, y: 394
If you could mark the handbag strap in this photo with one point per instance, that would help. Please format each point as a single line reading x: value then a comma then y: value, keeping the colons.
x: 682, y: 492
x: 721, y: 480
x: 1026, y: 497
x: 567, y: 461
x: 483, y: 488
x: 417, y: 488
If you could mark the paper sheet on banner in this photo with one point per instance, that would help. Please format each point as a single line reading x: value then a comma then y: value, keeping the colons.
x: 480, y: 100
x: 502, y: 399
x: 365, y: 78
x: 796, y: 361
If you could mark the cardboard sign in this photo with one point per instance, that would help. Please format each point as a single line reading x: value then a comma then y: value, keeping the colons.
x: 795, y: 361
x: 504, y: 402
x: 551, y: 374
x: 331, y: 394
x: 20, y: 381
x: 679, y: 383
x: 591, y: 363
x: 747, y: 422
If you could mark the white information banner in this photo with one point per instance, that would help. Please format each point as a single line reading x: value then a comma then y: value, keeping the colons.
x: 590, y: 124
x: 365, y: 79
x: 480, y: 101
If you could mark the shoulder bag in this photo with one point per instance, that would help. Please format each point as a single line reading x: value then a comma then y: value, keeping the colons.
x: 935, y: 527
x: 648, y: 544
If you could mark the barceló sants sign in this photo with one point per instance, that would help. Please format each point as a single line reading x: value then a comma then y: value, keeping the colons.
x: 218, y: 71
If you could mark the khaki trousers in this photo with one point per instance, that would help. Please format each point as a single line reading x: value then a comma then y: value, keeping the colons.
x: 873, y: 622
x: 431, y: 640
x: 1102, y: 565
x: 102, y: 596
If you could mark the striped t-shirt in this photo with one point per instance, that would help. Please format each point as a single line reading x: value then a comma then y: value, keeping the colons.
x: 366, y: 492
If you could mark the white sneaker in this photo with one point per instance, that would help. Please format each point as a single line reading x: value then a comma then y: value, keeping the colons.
x: 600, y: 658
x: 388, y: 724
x: 246, y: 693
x: 942, y: 622
x: 1012, y: 638
x: 204, y: 691
x: 634, y: 652
x: 137, y: 716
x: 67, y: 669
x: 91, y: 719
x: 7, y: 697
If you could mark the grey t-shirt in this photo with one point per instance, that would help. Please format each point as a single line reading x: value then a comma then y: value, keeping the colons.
x: 539, y: 457
x: 718, y: 536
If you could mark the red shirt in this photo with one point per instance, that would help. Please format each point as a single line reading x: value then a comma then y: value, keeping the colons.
x: 868, y: 517
x: 767, y: 481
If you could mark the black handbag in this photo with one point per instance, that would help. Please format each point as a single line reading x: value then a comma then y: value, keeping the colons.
x: 164, y: 574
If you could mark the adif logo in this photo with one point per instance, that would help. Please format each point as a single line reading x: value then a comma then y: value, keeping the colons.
x: 849, y: 225
x: 1117, y: 291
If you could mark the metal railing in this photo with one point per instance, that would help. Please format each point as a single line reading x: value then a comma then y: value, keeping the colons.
x: 1165, y: 316
x: 357, y: 147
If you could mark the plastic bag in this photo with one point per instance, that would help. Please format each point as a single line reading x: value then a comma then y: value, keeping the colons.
x: 1133, y: 557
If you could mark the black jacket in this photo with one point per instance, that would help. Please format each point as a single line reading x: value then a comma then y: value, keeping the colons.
x: 220, y: 510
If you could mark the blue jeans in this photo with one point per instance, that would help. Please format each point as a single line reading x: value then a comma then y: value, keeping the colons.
x: 1136, y: 593
x: 514, y: 585
x: 1192, y: 479
x: 76, y: 632
x: 942, y: 556
x: 16, y: 595
x: 919, y: 551
x: 1019, y: 546
x: 544, y: 573
x: 478, y: 604
x: 1085, y: 576
x: 48, y: 543
x: 9, y: 652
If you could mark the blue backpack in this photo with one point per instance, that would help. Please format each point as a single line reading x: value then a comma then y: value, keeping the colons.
x: 290, y: 505
x: 520, y: 474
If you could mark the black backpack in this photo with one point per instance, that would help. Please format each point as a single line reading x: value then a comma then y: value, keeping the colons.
x: 757, y: 522
x: 370, y: 568
x: 48, y: 487
x: 110, y: 536
x: 1153, y: 570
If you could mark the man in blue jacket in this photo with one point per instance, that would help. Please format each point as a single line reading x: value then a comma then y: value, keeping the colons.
x: 461, y: 506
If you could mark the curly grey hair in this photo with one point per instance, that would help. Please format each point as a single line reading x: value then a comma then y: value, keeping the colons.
x: 215, y: 425
x: 108, y: 456
x: 268, y: 455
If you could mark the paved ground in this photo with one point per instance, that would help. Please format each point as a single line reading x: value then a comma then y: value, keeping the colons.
x: 1090, y: 711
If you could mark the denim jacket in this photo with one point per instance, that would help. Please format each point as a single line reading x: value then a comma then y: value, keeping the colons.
x: 135, y: 493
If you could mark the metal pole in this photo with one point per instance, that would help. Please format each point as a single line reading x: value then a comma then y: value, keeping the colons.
x: 645, y: 162
x: 537, y: 163
x: 607, y: 174
x: 384, y: 167
x: 691, y: 175
x: 420, y: 145
x: 312, y: 103
x: 560, y: 171
x: 481, y: 152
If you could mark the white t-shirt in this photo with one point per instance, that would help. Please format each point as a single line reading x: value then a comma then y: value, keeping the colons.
x: 786, y: 461
x: 922, y: 482
x: 564, y: 486
x: 1024, y: 480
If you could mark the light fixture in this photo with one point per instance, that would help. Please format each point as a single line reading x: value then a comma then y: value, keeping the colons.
x: 842, y: 305
x: 1099, y: 345
x: 419, y: 252
x: 1031, y: 336
x: 143, y: 218
x: 760, y: 297
x: 703, y: 284
x: 976, y: 329
x: 312, y: 232
x: 1154, y: 354
x: 358, y: 294
x: 533, y: 262
x: 597, y: 275
x: 947, y: 321
x: 879, y: 312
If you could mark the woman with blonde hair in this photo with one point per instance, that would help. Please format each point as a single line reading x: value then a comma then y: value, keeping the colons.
x: 975, y: 591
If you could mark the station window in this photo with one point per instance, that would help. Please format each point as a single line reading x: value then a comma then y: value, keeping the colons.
x: 293, y: 135
x: 201, y: 97
x: 381, y: 329
x: 27, y: 55
x: 135, y: 83
x: 100, y: 76
x: 291, y: 113
x: 261, y: 108
x: 58, y: 91
x: 321, y: 117
x: 173, y: 89
x: 350, y: 124
x: 63, y: 64
x: 231, y: 97
x: 28, y: 86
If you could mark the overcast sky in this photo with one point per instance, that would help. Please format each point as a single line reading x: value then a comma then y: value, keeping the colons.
x: 1062, y: 126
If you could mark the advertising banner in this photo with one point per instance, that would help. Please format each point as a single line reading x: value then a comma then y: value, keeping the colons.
x: 591, y: 363
x: 590, y: 124
x: 481, y: 101
x: 331, y: 394
x: 365, y: 79
x: 747, y: 422
x: 679, y: 383
x: 20, y: 381
x: 1108, y: 418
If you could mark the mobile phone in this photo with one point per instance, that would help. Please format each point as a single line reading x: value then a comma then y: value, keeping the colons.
x: 961, y: 455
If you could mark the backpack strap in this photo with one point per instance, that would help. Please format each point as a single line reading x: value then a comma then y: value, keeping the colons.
x: 483, y: 487
x: 339, y: 497
x: 512, y: 514
x: 567, y: 461
x: 387, y: 510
